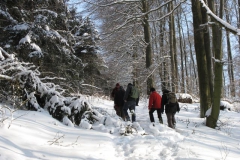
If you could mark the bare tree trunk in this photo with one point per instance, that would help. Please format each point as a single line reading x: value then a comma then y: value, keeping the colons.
x: 173, y: 54
x: 162, y: 66
x: 135, y: 66
x: 185, y: 64
x: 147, y: 38
x: 230, y: 60
x: 208, y: 52
x: 201, y: 58
x: 195, y: 83
x: 218, y: 79
x: 230, y: 66
x: 157, y: 48
x: 182, y: 82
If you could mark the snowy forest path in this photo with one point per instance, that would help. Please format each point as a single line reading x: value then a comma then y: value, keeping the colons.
x: 148, y: 141
x: 157, y: 141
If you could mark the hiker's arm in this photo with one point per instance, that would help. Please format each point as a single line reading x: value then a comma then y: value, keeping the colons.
x: 126, y: 94
x: 163, y: 103
x: 150, y: 102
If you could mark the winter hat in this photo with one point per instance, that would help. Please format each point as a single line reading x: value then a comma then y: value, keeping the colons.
x: 152, y: 89
x: 117, y: 84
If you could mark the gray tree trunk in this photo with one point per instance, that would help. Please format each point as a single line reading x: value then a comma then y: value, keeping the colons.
x: 147, y: 38
x: 172, y: 41
x: 218, y: 79
x: 182, y: 82
x: 191, y: 54
x: 208, y: 52
x: 230, y: 60
x: 204, y: 87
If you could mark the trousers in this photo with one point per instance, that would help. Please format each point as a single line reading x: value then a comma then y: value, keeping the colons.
x: 158, y: 113
x: 171, y: 120
x: 129, y: 105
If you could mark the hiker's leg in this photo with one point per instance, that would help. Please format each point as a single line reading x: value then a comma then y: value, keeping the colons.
x: 151, y: 114
x: 121, y: 112
x: 169, y: 118
x: 159, y: 116
x: 117, y: 109
x: 125, y: 113
x: 174, y: 120
x: 132, y: 110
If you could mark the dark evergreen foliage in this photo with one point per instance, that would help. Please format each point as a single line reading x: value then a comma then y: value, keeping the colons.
x: 54, y: 38
x: 56, y: 53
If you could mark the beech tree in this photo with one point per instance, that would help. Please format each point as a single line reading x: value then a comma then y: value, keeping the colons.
x: 230, y: 67
x: 173, y: 51
x: 217, y: 52
x: 218, y: 66
x: 201, y: 58
x: 128, y: 24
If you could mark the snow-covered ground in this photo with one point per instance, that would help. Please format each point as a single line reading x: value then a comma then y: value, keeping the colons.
x: 36, y: 135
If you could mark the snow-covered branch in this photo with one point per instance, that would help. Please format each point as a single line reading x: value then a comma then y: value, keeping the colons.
x: 8, y: 16
x: 90, y: 86
x: 221, y: 21
x: 218, y: 61
x: 171, y: 12
x: 5, y: 77
x: 132, y: 18
x: 4, y: 55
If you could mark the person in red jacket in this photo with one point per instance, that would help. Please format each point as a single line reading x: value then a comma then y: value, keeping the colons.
x: 155, y: 100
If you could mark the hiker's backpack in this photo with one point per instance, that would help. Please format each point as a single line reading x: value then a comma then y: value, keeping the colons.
x: 134, y: 92
x: 171, y: 97
x: 171, y: 106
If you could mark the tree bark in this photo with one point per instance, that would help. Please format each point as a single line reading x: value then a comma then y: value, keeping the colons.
x: 182, y: 82
x: 191, y: 54
x: 147, y: 38
x: 207, y: 42
x: 230, y: 60
x: 201, y: 58
x: 173, y: 54
x: 218, y: 79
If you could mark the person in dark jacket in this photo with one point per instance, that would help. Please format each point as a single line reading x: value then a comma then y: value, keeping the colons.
x: 130, y: 104
x: 170, y: 114
x: 115, y: 90
x: 155, y: 104
x: 119, y: 102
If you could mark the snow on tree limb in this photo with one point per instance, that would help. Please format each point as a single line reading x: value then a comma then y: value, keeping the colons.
x: 171, y: 12
x: 90, y: 86
x: 8, y: 16
x: 134, y: 17
x: 220, y: 21
x: 4, y: 55
x: 5, y: 77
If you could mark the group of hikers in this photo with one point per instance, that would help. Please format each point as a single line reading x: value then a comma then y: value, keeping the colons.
x: 125, y: 100
x: 128, y: 100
